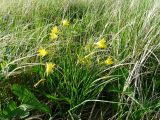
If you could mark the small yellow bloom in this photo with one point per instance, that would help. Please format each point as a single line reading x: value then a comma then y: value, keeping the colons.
x: 101, y: 44
x: 37, y: 83
x: 42, y: 52
x: 53, y: 36
x: 49, y: 67
x: 55, y: 30
x: 65, y: 22
x: 109, y: 61
x: 84, y: 60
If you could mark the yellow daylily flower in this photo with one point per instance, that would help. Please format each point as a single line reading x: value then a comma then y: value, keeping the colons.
x: 101, y: 44
x: 42, y: 52
x: 55, y: 30
x: 84, y: 60
x: 49, y: 67
x: 53, y: 36
x: 109, y: 61
x: 65, y: 22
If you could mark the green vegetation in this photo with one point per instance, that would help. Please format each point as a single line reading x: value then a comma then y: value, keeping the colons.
x: 80, y: 59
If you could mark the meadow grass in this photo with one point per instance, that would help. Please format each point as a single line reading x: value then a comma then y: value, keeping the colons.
x: 104, y: 64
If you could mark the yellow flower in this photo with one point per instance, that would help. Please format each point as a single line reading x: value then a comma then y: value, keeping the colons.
x: 55, y: 30
x: 42, y: 52
x: 109, y: 61
x: 84, y: 60
x: 54, y: 33
x: 49, y: 67
x: 65, y: 22
x: 37, y: 83
x: 53, y: 36
x: 101, y: 44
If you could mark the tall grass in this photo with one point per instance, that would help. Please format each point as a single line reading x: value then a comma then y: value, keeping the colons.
x: 81, y: 86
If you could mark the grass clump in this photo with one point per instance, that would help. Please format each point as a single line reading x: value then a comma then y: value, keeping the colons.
x: 79, y: 59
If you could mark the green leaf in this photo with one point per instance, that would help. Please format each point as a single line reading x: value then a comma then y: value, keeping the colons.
x: 3, y: 118
x: 9, y: 108
x: 11, y: 111
x: 54, y: 98
x: 29, y: 99
x: 18, y: 113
